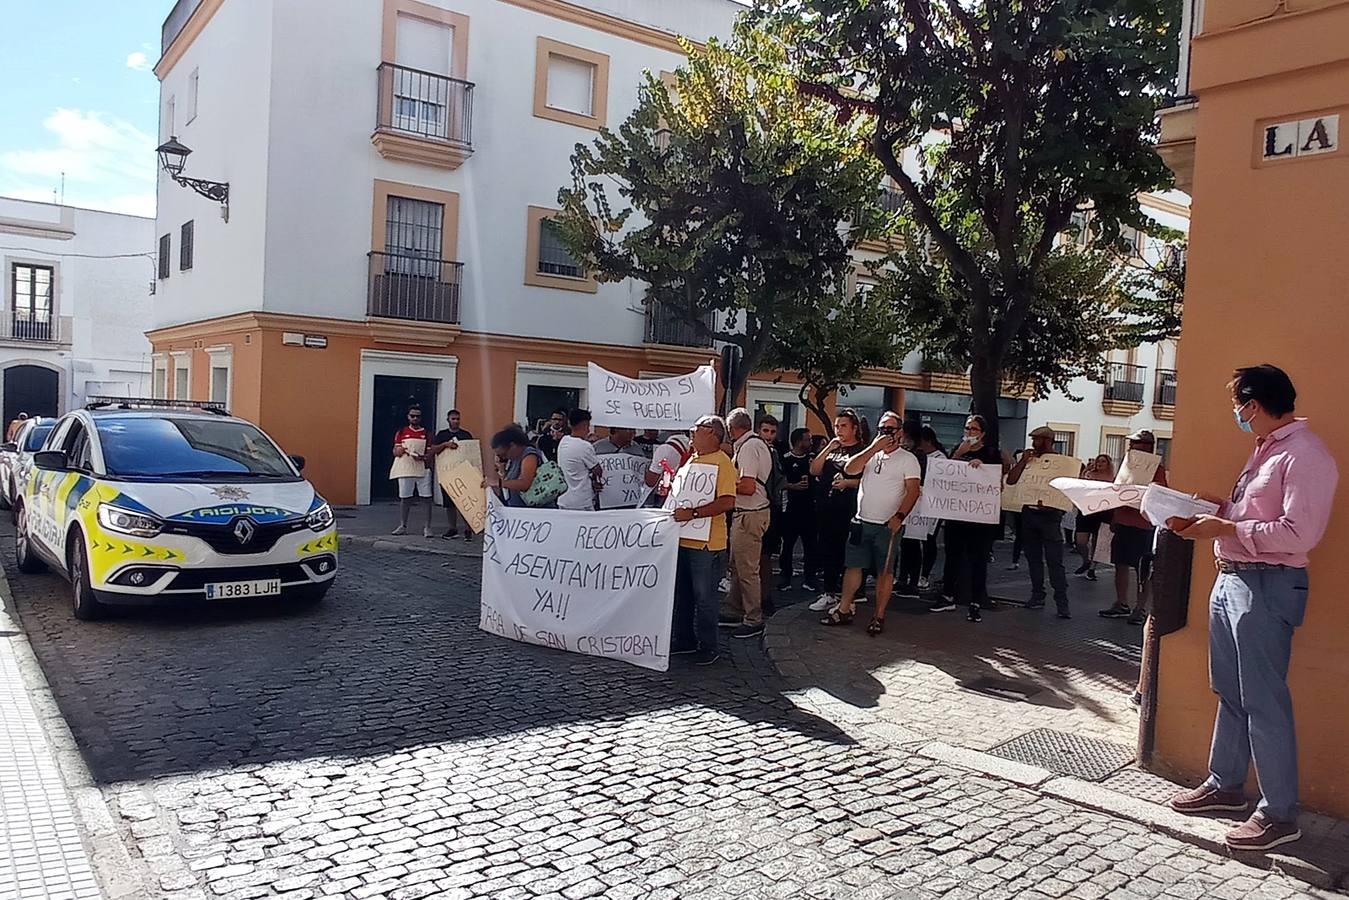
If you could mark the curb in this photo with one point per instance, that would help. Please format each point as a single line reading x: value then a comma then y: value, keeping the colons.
x: 380, y: 543
x: 120, y: 875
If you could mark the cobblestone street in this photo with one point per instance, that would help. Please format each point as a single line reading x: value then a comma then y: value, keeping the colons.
x: 380, y: 745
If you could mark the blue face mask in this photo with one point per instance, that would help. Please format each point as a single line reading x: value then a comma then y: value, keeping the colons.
x: 1243, y: 424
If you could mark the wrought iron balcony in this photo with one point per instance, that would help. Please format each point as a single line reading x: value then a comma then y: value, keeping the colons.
x: 663, y: 327
x: 1166, y: 388
x: 1124, y: 383
x: 891, y: 200
x: 403, y: 286
x: 37, y: 328
x: 425, y: 105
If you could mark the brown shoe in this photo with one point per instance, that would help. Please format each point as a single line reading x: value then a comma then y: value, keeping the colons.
x: 1258, y: 833
x: 1208, y: 799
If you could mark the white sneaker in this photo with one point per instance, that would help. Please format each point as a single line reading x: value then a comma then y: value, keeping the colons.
x: 725, y: 586
x: 428, y: 533
x: 923, y: 584
x: 823, y: 602
x: 401, y: 529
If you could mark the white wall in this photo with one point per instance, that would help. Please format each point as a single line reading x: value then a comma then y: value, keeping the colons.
x: 229, y: 142
x: 103, y: 276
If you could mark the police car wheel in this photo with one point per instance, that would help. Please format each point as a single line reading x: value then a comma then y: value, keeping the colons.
x: 24, y: 557
x: 86, y: 604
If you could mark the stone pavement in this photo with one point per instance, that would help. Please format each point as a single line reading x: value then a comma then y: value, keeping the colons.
x: 380, y: 745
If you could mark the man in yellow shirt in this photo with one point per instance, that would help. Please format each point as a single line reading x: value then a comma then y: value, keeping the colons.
x: 697, y: 600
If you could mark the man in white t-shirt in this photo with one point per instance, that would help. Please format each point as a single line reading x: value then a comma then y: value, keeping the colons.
x: 580, y: 467
x: 666, y: 459
x: 891, y: 482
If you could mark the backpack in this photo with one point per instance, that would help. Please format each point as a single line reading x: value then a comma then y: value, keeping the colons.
x: 549, y: 484
x: 775, y: 485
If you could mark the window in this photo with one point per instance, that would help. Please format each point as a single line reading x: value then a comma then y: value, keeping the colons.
x: 220, y: 385
x: 160, y: 384
x: 548, y: 263
x: 1065, y: 442
x: 1115, y: 446
x: 1164, y: 450
x: 79, y: 454
x: 165, y: 255
x: 166, y: 129
x: 185, y: 247
x: 182, y: 375
x: 542, y: 399
x: 571, y: 84
x: 414, y: 232
x: 192, y: 82
x: 32, y: 293
x: 189, y: 449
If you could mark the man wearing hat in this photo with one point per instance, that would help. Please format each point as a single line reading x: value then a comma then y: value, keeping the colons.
x: 1131, y: 547
x: 1042, y: 533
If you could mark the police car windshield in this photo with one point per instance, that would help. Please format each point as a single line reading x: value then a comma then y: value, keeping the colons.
x: 157, y: 448
x: 37, y: 436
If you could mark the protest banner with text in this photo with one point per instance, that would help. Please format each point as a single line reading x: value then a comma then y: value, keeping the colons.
x: 666, y: 404
x: 412, y: 463
x: 1034, y: 488
x: 1092, y: 497
x: 1139, y: 467
x: 694, y: 485
x: 464, y: 451
x: 598, y: 583
x: 463, y: 482
x: 624, y: 480
x: 959, y: 492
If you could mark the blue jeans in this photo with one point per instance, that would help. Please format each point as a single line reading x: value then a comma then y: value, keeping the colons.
x: 1252, y: 615
x: 697, y: 602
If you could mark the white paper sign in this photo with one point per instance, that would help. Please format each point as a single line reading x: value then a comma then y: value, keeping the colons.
x: 667, y: 404
x: 1139, y: 467
x: 410, y: 465
x: 624, y: 480
x: 1098, y: 496
x: 599, y: 583
x: 1036, y: 482
x: 919, y: 528
x: 959, y: 492
x: 1162, y: 503
x: 694, y: 484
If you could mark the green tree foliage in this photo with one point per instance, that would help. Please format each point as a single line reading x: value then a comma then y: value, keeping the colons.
x: 1045, y: 107
x: 733, y: 185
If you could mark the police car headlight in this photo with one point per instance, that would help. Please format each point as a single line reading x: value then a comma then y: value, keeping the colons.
x: 321, y: 518
x: 114, y: 518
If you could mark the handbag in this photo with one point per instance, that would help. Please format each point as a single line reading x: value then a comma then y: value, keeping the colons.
x: 548, y: 485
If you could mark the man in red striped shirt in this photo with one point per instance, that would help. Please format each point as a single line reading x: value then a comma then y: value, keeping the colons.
x: 411, y: 440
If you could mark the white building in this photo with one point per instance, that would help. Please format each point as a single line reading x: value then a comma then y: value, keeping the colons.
x: 1140, y: 391
x: 76, y: 306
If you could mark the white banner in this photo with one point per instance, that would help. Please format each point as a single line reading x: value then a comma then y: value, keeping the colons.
x: 624, y: 480
x: 694, y: 485
x: 667, y: 404
x: 1098, y: 496
x: 1163, y: 503
x: 959, y: 492
x: 599, y: 583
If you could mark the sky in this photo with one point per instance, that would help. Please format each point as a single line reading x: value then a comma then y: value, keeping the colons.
x: 77, y: 96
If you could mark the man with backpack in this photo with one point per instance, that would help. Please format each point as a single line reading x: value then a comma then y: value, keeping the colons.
x: 749, y: 524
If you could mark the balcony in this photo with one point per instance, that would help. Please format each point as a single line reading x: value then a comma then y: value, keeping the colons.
x: 1164, y: 400
x: 1124, y: 389
x: 663, y: 327
x: 891, y: 200
x: 423, y: 117
x: 414, y: 288
x: 39, y: 328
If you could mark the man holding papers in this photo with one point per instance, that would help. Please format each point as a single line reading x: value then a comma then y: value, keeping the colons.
x: 1276, y: 514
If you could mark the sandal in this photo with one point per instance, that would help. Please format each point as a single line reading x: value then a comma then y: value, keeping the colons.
x: 875, y: 626
x: 837, y: 617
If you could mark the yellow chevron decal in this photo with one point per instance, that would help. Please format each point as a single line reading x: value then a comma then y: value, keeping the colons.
x: 325, y: 544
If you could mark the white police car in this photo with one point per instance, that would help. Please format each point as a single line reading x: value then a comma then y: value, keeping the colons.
x: 151, y: 502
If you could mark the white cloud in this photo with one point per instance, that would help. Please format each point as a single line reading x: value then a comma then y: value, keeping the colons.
x: 108, y: 163
x: 138, y: 61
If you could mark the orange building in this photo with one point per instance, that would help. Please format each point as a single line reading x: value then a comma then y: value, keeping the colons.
x: 1258, y: 145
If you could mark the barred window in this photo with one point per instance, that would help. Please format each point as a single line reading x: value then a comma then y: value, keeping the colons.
x: 165, y: 255
x: 554, y: 257
x: 185, y: 247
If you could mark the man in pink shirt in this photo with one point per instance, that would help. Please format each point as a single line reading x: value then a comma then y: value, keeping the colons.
x: 1277, y: 513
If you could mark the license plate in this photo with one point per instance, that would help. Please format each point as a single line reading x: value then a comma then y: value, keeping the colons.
x: 233, y: 590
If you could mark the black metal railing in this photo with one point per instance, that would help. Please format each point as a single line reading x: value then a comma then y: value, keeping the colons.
x: 1125, y: 382
x: 1166, y: 387
x: 663, y: 327
x: 425, y: 105
x: 40, y: 328
x: 404, y: 286
x: 891, y: 200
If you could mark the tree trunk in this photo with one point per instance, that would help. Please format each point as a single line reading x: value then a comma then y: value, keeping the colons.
x: 812, y: 398
x: 985, y: 386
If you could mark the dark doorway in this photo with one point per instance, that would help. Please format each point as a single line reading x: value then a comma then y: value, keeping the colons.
x: 393, y: 396
x: 542, y: 399
x: 35, y: 390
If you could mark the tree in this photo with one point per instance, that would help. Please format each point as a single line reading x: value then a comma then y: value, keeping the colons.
x: 736, y: 183
x: 1043, y: 107
x: 828, y: 352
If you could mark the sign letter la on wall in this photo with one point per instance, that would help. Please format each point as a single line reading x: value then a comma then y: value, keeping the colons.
x: 1312, y: 136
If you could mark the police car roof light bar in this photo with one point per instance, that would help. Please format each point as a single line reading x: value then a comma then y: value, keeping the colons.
x: 103, y: 402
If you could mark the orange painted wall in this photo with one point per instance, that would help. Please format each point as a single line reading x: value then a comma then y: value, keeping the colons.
x: 1267, y: 278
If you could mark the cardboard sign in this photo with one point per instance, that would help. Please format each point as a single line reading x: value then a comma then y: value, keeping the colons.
x: 466, y: 451
x: 412, y: 465
x: 624, y: 480
x: 599, y: 583
x: 694, y: 485
x: 1034, y: 485
x: 1011, y: 497
x: 463, y: 482
x: 666, y: 404
x: 1098, y: 496
x: 959, y: 492
x: 1139, y: 467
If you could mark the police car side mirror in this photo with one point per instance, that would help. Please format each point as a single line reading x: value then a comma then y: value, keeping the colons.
x: 298, y: 460
x: 51, y: 460
x: 9, y: 447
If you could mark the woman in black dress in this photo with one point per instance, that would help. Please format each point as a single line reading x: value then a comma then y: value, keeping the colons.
x: 837, y: 504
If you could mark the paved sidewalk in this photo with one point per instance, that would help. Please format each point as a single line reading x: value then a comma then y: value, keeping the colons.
x: 41, y: 851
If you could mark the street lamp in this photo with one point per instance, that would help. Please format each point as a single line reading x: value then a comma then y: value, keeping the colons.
x: 173, y: 156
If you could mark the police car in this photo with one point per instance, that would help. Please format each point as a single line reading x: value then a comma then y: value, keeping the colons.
x: 155, y: 502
